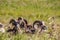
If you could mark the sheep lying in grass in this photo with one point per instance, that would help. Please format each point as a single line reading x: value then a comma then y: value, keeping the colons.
x: 24, y: 24
x: 15, y: 28
x: 39, y: 25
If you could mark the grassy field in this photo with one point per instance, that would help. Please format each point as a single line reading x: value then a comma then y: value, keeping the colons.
x: 31, y: 10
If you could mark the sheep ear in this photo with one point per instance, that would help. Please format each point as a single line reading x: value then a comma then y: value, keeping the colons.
x: 43, y: 22
x: 25, y: 21
x: 10, y: 21
x: 19, y: 18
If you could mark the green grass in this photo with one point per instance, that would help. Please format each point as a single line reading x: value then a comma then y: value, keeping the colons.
x: 31, y: 10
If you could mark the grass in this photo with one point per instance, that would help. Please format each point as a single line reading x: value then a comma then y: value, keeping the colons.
x: 31, y: 10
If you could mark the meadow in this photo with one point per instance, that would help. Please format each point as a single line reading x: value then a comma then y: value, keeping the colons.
x: 31, y: 10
